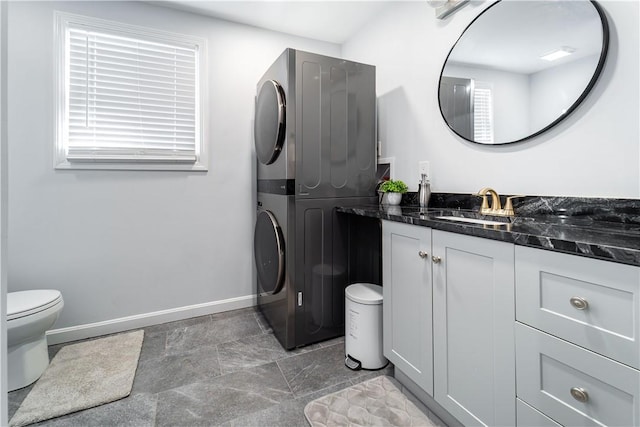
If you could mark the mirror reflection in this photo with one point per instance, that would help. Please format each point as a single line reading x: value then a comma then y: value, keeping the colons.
x: 521, y: 67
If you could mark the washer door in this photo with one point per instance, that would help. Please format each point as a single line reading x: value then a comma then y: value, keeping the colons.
x: 269, y: 121
x: 268, y: 247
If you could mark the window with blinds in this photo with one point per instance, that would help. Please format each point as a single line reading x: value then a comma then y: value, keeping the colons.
x: 483, y: 113
x: 130, y: 96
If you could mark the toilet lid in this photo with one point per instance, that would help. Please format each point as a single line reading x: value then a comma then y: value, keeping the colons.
x: 25, y: 303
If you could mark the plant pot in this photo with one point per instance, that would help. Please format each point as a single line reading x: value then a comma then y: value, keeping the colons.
x: 392, y: 199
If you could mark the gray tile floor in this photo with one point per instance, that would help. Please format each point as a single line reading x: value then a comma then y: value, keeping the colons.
x: 223, y: 369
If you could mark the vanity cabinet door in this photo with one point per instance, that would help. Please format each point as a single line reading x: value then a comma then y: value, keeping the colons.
x: 407, y: 300
x: 473, y: 324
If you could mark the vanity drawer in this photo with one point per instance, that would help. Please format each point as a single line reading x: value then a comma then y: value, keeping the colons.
x: 574, y: 386
x: 526, y: 416
x: 589, y: 302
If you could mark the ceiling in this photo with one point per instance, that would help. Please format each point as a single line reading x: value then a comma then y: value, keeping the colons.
x: 332, y: 21
x: 540, y: 26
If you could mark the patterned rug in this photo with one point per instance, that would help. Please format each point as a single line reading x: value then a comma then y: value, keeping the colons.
x: 82, y: 376
x: 376, y: 402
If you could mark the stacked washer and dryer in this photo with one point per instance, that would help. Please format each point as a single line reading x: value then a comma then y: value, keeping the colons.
x: 315, y: 139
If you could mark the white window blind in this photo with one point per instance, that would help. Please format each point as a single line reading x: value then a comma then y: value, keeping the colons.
x: 483, y: 113
x: 129, y: 98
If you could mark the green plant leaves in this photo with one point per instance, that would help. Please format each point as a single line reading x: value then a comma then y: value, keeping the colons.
x: 392, y: 186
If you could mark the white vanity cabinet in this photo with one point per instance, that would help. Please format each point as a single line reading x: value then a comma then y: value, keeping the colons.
x: 473, y: 319
x: 448, y: 317
x: 578, y: 338
x: 407, y: 297
x: 504, y: 335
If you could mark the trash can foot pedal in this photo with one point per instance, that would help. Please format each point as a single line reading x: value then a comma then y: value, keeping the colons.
x: 352, y: 363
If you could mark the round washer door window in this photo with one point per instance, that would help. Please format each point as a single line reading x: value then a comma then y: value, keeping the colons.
x: 269, y: 122
x: 268, y: 247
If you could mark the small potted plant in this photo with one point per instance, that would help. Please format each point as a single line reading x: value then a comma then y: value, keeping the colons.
x: 392, y: 191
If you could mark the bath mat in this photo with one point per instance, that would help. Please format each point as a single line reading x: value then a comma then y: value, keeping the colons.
x: 376, y: 402
x: 83, y: 376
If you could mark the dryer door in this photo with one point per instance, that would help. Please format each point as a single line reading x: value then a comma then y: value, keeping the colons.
x: 269, y: 121
x: 268, y: 247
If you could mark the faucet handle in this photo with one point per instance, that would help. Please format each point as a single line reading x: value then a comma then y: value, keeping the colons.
x: 485, y: 202
x: 508, y: 206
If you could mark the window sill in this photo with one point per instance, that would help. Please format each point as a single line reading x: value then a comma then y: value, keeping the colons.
x: 136, y: 166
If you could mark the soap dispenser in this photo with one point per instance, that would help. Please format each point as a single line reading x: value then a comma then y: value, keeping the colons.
x: 424, y: 191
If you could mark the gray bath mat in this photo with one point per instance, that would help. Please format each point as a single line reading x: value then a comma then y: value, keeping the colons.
x: 83, y: 376
x: 377, y: 402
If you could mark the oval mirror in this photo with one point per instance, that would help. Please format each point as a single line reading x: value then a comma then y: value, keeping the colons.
x: 521, y: 67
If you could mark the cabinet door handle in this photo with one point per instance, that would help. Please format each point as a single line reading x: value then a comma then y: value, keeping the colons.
x: 579, y: 394
x: 436, y: 259
x: 579, y: 303
x: 423, y: 254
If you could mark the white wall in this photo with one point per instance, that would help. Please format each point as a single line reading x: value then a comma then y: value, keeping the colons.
x: 119, y: 243
x: 594, y: 152
x: 555, y: 89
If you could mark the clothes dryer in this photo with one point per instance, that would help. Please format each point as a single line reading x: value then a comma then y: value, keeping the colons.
x: 314, y: 127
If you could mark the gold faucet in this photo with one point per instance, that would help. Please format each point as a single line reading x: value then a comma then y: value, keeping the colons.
x: 496, y: 206
x: 495, y: 201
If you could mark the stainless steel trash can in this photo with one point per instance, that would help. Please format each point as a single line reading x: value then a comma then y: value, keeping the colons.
x: 363, y: 327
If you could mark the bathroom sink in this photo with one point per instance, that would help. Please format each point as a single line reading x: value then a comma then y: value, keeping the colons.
x: 471, y: 220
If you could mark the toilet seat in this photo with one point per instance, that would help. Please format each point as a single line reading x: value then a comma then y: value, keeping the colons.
x: 25, y: 303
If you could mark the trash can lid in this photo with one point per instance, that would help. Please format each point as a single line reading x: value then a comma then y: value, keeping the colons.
x: 364, y: 293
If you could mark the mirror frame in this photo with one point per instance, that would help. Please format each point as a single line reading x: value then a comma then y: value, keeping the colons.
x: 596, y: 74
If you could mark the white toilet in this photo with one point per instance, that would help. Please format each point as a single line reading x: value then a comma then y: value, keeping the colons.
x: 29, y: 315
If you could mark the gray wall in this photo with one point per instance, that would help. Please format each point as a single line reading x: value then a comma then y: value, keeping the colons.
x: 122, y: 245
x: 594, y: 152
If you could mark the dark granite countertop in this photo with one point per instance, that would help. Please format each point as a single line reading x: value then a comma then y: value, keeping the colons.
x: 616, y: 238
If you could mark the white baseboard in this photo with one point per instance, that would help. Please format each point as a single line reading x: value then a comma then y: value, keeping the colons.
x: 79, y: 332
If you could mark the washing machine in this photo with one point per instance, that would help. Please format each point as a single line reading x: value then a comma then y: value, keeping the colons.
x: 302, y: 252
x: 274, y: 248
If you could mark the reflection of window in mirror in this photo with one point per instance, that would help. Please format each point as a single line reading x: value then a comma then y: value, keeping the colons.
x: 483, y: 112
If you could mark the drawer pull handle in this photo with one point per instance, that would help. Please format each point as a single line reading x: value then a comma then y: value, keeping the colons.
x: 436, y: 259
x: 579, y: 394
x: 579, y: 303
x: 423, y: 254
